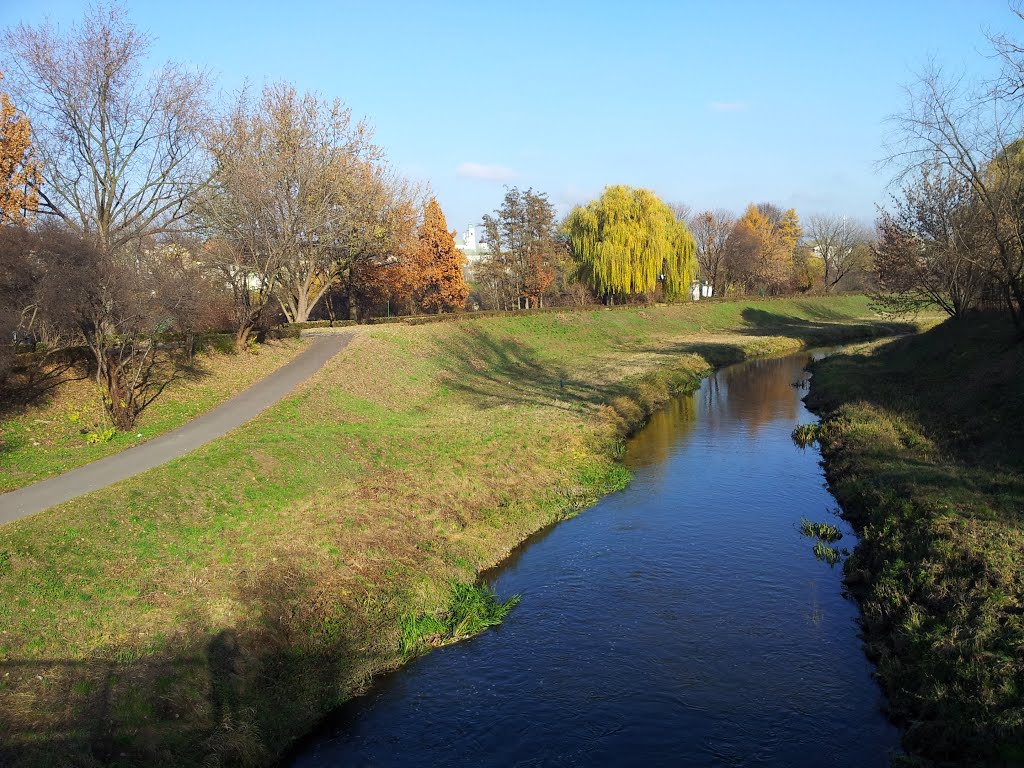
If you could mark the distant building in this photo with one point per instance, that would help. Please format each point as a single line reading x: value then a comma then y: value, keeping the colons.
x: 472, y: 244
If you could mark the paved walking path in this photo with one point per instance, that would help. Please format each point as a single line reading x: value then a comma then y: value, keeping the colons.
x: 211, y: 425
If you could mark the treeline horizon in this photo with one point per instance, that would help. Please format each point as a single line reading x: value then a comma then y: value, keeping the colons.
x: 134, y: 210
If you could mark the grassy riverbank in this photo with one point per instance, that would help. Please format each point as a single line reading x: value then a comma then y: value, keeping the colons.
x: 924, y: 449
x: 213, y: 609
x: 65, y: 428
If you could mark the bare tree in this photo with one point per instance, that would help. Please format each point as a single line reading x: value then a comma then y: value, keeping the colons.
x: 121, y: 161
x: 1010, y: 84
x: 711, y: 230
x: 682, y: 211
x: 378, y: 233
x: 300, y: 195
x: 118, y: 305
x: 932, y: 247
x: 840, y: 244
x: 972, y: 134
x: 193, y: 295
x: 120, y: 151
x: 18, y: 276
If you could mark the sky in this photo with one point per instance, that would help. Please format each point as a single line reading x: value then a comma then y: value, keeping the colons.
x: 712, y: 104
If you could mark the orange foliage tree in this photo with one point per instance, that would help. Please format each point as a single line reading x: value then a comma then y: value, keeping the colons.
x: 435, y: 271
x: 760, y: 250
x: 19, y: 177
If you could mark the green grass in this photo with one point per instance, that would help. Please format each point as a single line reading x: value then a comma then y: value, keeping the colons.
x: 924, y: 449
x: 69, y: 427
x: 471, y: 609
x: 213, y: 609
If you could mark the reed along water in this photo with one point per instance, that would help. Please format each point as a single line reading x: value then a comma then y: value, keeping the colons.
x: 683, y: 621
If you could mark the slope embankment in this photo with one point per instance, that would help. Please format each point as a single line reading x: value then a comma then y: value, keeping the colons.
x: 212, y: 609
x: 924, y: 449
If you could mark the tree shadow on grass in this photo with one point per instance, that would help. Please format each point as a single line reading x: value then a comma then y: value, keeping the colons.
x: 819, y: 331
x: 499, y: 371
x: 960, y: 487
x: 214, y: 695
x: 958, y: 384
x: 34, y: 378
x: 496, y: 371
x: 817, y: 311
x: 717, y: 354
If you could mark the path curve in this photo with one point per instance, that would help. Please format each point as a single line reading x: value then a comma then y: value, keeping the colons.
x: 211, y: 425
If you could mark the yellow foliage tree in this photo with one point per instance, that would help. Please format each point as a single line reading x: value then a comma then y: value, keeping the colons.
x: 19, y: 176
x: 629, y: 240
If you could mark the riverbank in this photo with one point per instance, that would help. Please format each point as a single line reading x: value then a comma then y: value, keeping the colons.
x: 216, y: 607
x: 924, y: 450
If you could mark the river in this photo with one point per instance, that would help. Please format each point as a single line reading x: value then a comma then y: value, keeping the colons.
x: 683, y: 621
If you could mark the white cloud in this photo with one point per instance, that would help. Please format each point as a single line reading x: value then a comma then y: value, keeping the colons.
x: 727, y: 106
x: 484, y: 172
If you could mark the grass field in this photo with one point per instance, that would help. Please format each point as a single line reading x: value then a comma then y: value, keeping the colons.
x: 211, y: 610
x: 51, y: 437
x: 925, y: 450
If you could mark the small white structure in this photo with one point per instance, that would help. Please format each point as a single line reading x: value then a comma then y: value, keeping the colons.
x: 699, y: 290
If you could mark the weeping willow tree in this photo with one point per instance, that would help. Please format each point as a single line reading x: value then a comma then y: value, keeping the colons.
x: 627, y: 241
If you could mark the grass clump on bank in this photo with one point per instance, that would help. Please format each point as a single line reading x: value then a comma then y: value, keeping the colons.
x: 215, y: 608
x: 471, y: 609
x: 924, y: 449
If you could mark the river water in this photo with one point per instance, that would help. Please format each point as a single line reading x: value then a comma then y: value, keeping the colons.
x: 683, y: 621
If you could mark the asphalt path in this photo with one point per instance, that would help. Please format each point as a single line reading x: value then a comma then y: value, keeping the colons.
x: 211, y: 425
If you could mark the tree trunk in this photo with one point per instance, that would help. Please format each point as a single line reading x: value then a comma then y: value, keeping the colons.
x: 118, y: 400
x: 242, y: 337
x: 302, y: 309
x: 348, y: 298
x: 330, y: 310
x: 1015, y: 298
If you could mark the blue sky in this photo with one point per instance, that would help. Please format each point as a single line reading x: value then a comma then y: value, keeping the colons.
x: 710, y: 103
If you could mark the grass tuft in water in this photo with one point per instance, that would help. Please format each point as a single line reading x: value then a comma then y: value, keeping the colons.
x: 471, y: 609
x: 806, y: 434
x: 826, y: 553
x: 821, y: 531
